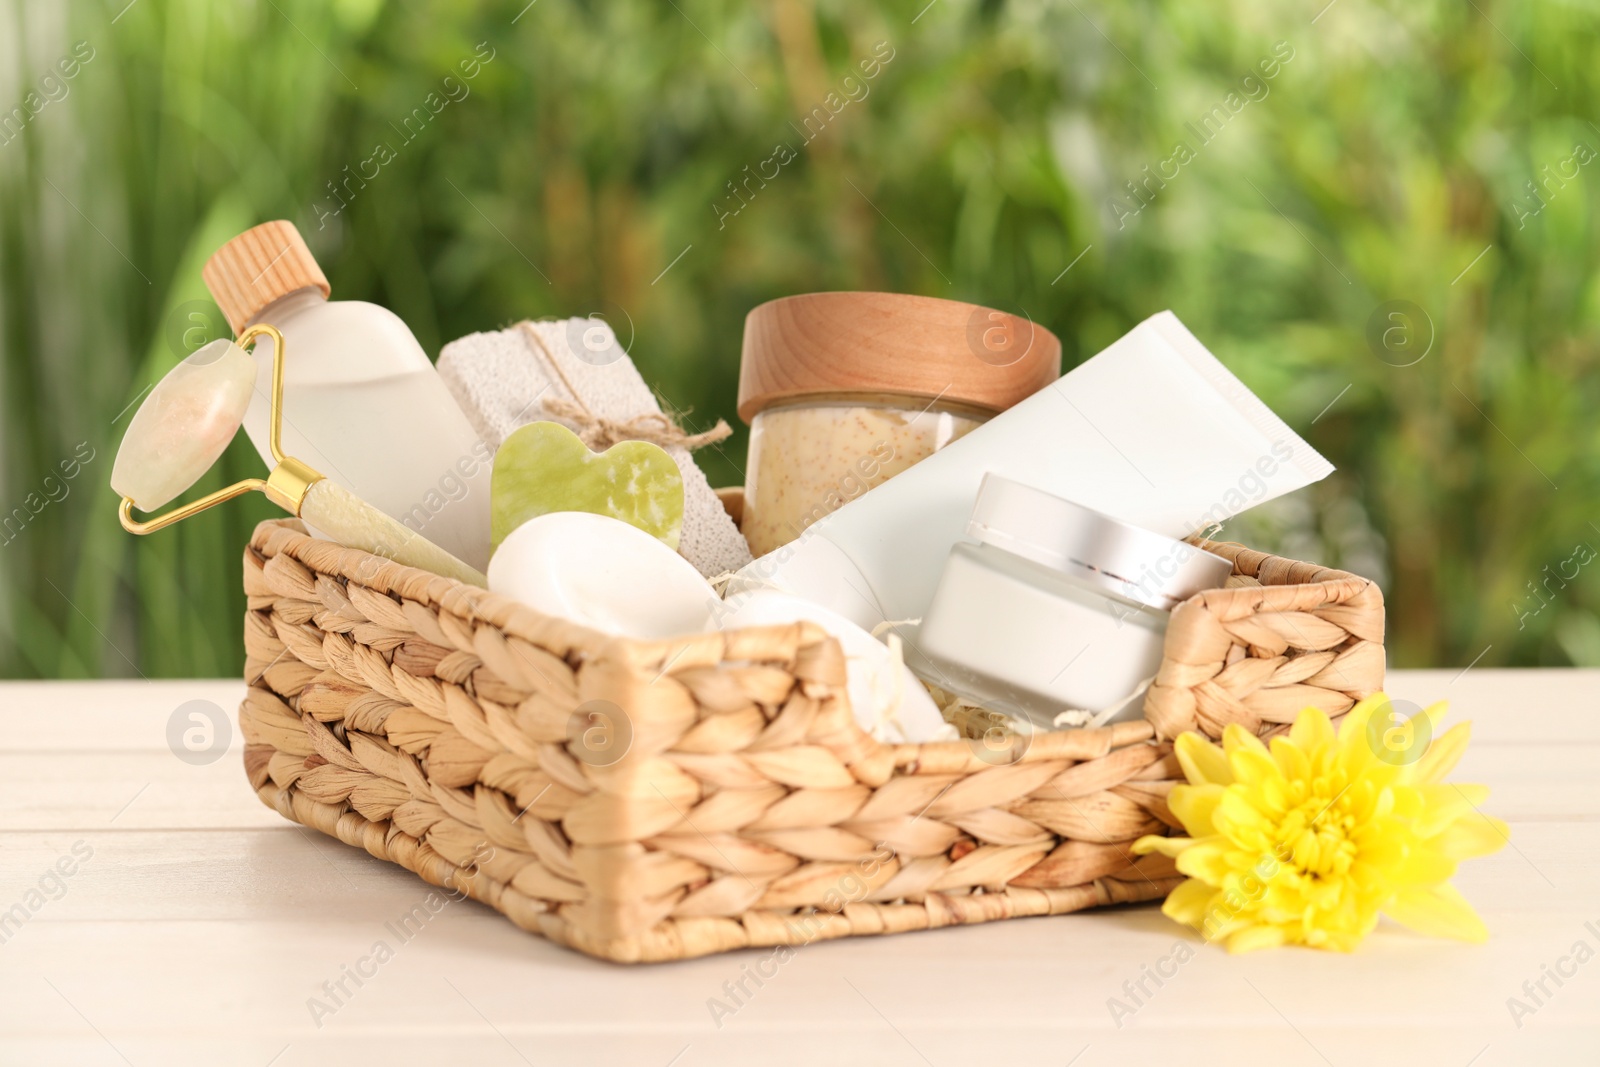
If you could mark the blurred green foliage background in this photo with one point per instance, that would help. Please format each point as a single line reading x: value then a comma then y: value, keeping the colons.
x: 587, y: 167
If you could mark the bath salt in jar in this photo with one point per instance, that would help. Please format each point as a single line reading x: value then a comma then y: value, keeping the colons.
x: 1056, y: 607
x: 843, y: 391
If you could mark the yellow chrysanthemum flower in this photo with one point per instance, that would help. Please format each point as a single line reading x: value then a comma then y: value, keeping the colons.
x: 1307, y: 842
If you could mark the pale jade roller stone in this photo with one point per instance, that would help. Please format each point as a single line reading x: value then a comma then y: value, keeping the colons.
x: 888, y: 701
x: 602, y: 573
x: 184, y: 425
x: 543, y: 468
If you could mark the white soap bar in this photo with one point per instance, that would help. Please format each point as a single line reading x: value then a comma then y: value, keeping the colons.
x: 602, y: 573
x: 1153, y: 431
x: 888, y: 701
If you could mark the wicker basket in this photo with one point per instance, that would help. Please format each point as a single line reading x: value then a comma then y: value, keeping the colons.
x: 447, y: 729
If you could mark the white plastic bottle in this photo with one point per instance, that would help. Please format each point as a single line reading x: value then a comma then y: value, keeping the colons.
x: 362, y: 403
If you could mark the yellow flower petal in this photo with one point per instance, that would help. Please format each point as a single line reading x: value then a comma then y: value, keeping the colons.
x: 1438, y: 911
x: 1339, y: 940
x: 1167, y: 846
x: 1423, y: 867
x: 1207, y: 861
x: 1291, y: 758
x: 1474, y: 835
x: 1194, y: 806
x: 1444, y: 752
x: 1236, y: 739
x: 1187, y: 904
x: 1252, y: 938
x: 1202, y: 762
x: 1355, y: 752
x: 1254, y: 767
x: 1312, y: 731
x: 1444, y: 804
x: 1237, y: 817
x: 1381, y: 851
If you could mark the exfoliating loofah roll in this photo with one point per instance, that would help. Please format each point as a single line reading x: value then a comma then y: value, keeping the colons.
x: 575, y: 372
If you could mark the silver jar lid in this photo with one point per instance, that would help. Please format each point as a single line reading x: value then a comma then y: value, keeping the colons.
x: 1132, y: 562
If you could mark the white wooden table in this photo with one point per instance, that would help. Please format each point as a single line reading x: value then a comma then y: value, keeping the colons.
x: 196, y: 926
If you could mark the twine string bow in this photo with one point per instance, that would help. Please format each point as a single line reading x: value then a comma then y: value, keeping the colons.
x: 599, y: 432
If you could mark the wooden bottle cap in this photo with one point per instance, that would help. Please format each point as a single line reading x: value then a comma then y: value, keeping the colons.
x: 257, y: 267
x: 820, y: 344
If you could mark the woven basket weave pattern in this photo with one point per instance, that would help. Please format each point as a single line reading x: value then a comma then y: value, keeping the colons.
x: 433, y: 724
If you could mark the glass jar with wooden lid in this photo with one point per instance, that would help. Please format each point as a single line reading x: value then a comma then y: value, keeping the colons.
x: 843, y: 391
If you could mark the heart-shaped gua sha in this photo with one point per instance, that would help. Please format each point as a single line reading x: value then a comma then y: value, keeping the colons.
x: 544, y: 467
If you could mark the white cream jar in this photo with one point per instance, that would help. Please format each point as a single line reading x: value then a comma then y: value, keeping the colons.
x: 1056, y: 608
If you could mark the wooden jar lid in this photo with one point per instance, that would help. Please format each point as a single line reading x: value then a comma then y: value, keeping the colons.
x: 850, y: 343
x: 257, y: 267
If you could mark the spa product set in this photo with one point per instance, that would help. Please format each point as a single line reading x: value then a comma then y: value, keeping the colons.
x: 1041, y: 551
x: 977, y: 530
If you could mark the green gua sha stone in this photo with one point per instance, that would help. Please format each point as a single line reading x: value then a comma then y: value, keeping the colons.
x: 544, y: 467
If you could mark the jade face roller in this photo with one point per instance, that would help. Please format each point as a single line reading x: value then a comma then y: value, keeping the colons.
x: 186, y: 423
